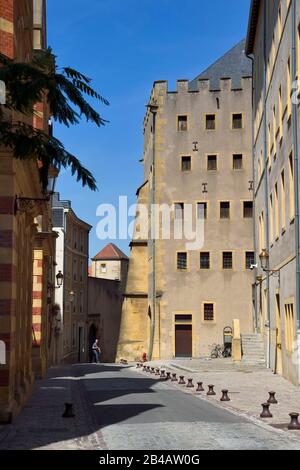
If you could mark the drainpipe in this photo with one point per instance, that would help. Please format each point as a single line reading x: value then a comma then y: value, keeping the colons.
x: 266, y: 183
x: 153, y: 109
x: 254, y: 294
x: 296, y: 171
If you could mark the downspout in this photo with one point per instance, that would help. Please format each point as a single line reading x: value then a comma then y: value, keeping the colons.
x: 266, y: 183
x: 153, y: 110
x: 254, y: 204
x: 296, y: 170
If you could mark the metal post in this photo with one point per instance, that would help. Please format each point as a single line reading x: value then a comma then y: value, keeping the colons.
x: 266, y: 182
x: 296, y: 170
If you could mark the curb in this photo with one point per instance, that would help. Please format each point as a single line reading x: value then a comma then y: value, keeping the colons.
x: 232, y: 410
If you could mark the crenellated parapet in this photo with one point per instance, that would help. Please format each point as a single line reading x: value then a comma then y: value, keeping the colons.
x: 160, y: 90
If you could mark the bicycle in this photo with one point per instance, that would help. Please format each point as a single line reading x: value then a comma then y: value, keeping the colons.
x: 219, y: 351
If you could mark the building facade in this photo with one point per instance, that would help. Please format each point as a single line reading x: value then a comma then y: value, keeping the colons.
x: 110, y: 263
x: 274, y: 43
x: 107, y: 280
x: 72, y: 247
x: 26, y: 239
x: 197, y: 161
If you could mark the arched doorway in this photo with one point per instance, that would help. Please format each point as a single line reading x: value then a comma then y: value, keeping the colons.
x: 93, y: 332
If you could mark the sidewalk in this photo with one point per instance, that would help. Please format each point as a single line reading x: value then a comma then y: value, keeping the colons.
x: 41, y: 426
x: 248, y: 386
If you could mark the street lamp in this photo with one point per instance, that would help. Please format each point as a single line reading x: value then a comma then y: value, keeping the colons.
x: 71, y: 296
x: 52, y: 177
x: 264, y: 261
x: 59, y: 279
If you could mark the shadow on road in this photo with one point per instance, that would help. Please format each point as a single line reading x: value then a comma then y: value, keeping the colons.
x: 87, y: 386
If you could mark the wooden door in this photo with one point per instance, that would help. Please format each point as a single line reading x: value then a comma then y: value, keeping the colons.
x: 183, y: 341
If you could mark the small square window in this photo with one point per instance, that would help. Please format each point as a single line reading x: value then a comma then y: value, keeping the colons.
x: 237, y: 121
x: 212, y: 162
x: 103, y: 268
x: 238, y: 162
x: 202, y: 210
x: 248, y: 209
x: 205, y: 260
x: 210, y: 122
x: 209, y: 312
x: 250, y: 259
x: 179, y: 210
x: 227, y: 260
x: 182, y: 261
x: 225, y: 210
x: 182, y: 123
x: 186, y: 163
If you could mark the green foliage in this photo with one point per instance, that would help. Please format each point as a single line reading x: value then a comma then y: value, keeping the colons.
x: 30, y: 83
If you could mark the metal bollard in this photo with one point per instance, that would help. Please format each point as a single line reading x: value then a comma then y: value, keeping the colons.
x: 272, y: 400
x: 148, y: 369
x: 200, y: 387
x: 157, y: 372
x: 225, y: 396
x: 190, y: 383
x: 266, y: 411
x: 211, y: 390
x: 181, y: 381
x: 152, y: 370
x: 68, y: 413
x: 163, y: 374
x: 174, y: 378
x: 168, y: 375
x: 145, y: 368
x: 294, y: 424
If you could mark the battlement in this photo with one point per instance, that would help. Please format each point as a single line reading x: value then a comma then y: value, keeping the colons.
x: 160, y: 89
x: 184, y: 86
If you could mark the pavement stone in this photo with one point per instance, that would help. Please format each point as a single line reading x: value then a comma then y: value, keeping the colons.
x: 124, y: 408
x: 41, y: 426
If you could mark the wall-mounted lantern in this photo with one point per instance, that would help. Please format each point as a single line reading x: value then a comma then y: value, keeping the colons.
x: 264, y: 261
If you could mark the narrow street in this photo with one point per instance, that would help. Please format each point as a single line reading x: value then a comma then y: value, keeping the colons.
x: 119, y: 408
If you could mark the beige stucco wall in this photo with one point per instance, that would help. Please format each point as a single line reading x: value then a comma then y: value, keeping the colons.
x: 185, y: 292
x: 112, y: 269
x: 281, y: 248
x: 104, y: 314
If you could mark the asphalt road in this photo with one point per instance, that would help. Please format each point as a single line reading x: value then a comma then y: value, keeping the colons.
x: 135, y: 411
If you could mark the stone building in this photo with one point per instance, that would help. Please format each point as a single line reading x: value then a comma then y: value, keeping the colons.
x: 26, y: 238
x: 107, y: 280
x: 110, y: 263
x: 72, y: 247
x: 274, y: 44
x: 197, y: 161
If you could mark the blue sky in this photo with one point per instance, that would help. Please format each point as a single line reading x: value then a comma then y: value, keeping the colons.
x: 124, y: 45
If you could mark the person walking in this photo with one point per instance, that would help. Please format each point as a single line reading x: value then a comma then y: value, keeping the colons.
x: 96, y: 351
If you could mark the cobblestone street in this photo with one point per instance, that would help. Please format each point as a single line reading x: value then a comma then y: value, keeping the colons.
x: 248, y: 386
x: 119, y: 407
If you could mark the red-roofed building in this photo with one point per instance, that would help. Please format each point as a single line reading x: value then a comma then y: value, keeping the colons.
x: 110, y: 263
x: 107, y: 280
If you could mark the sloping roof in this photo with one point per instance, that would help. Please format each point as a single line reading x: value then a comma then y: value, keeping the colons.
x: 234, y: 64
x: 111, y: 252
x: 252, y: 25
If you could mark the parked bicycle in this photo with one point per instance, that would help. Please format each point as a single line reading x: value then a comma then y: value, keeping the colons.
x: 219, y: 351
